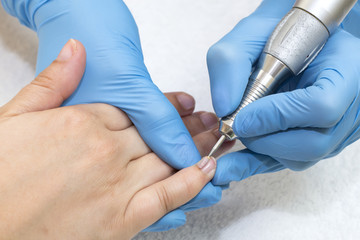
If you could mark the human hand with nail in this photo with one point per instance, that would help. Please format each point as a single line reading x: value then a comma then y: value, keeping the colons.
x: 115, y: 75
x: 84, y: 172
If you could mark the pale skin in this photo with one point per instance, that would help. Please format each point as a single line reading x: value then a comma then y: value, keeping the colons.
x: 83, y: 172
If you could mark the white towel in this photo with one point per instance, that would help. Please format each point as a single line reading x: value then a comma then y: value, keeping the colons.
x: 320, y: 203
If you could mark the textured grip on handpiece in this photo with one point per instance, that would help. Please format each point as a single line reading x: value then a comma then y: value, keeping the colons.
x: 330, y: 12
x: 297, y: 40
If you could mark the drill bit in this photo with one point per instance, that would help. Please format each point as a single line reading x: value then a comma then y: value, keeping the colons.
x: 217, y: 145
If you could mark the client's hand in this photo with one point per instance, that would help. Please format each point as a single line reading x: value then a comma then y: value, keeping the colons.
x: 115, y: 75
x: 83, y: 172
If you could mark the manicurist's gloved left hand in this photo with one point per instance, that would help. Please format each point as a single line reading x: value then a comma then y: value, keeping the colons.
x: 116, y: 75
x: 312, y: 117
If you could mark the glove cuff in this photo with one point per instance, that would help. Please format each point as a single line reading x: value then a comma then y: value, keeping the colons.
x: 24, y: 10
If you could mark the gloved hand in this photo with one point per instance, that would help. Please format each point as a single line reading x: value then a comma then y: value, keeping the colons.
x: 350, y: 23
x: 115, y: 75
x: 312, y: 117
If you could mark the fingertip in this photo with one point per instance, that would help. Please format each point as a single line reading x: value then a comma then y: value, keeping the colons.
x: 207, y: 165
x: 79, y: 58
x: 263, y: 116
x: 222, y: 102
x: 220, y: 177
x: 72, y: 51
x: 183, y: 102
x: 81, y: 51
x: 80, y: 46
x: 238, y: 166
x: 232, y: 167
x: 209, y: 120
x: 68, y: 51
x: 71, y: 63
x: 180, y: 151
x: 186, y: 101
x: 190, y: 181
x: 244, y: 123
x: 54, y: 84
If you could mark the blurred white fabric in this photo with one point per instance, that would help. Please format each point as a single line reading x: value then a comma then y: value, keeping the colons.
x: 320, y: 203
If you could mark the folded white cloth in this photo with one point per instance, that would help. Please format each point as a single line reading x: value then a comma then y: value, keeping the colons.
x: 320, y: 203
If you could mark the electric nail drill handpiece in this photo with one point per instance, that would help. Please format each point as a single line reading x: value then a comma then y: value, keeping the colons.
x: 294, y: 44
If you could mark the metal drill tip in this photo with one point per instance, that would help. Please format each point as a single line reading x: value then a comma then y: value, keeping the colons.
x: 217, y: 145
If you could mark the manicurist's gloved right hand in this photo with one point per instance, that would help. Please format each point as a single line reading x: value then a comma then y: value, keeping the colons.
x: 116, y: 75
x: 312, y: 117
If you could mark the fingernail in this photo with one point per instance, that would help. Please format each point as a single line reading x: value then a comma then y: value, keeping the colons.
x: 186, y: 101
x: 209, y: 120
x: 207, y: 165
x: 68, y: 51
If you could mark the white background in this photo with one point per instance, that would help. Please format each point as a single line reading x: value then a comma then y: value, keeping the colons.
x: 320, y: 203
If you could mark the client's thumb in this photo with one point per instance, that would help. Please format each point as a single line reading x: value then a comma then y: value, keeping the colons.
x: 53, y: 85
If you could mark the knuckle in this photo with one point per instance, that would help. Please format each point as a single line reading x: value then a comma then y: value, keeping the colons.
x: 104, y: 147
x: 78, y: 118
x: 189, y: 187
x: 99, y: 152
x: 44, y: 82
x: 221, y: 51
x: 164, y: 198
x: 319, y: 148
x: 44, y: 78
x: 328, y: 111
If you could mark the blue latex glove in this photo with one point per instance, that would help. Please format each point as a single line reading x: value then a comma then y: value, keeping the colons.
x: 351, y: 22
x: 115, y: 75
x: 312, y: 117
